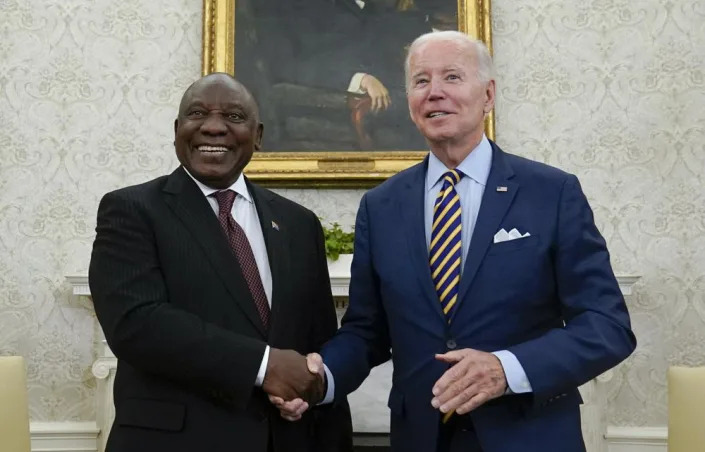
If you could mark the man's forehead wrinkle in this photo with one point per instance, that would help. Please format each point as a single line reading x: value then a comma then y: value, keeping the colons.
x: 221, y: 86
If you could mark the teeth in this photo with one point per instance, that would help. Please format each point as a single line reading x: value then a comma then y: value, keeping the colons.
x: 212, y: 148
x: 437, y: 113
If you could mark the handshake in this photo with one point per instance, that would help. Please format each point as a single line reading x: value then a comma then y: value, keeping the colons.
x: 294, y: 382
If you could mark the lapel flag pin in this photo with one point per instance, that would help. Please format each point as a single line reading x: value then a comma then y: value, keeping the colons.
x: 501, y: 188
x: 275, y: 225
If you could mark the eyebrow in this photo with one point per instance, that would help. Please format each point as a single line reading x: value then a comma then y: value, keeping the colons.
x: 452, y: 68
x: 227, y: 106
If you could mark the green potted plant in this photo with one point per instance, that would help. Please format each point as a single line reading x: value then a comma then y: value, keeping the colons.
x: 337, y: 241
x: 339, y: 248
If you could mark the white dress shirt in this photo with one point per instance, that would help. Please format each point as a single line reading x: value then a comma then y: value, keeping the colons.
x: 244, y: 212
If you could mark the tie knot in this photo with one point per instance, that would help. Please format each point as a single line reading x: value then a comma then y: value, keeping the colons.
x: 225, y: 200
x: 452, y: 177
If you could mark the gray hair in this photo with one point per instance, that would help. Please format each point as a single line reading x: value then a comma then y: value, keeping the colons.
x: 473, y: 47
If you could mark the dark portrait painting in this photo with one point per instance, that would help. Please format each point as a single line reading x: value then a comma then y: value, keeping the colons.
x: 329, y: 78
x: 329, y: 74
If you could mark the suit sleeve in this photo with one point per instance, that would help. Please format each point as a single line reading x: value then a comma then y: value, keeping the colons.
x: 332, y: 422
x: 597, y: 334
x: 363, y: 340
x: 143, y: 329
x: 326, y: 322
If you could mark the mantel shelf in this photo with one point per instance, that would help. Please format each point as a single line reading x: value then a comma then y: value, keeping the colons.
x: 368, y: 417
x: 339, y: 281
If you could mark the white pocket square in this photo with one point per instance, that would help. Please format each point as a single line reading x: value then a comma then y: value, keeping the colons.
x: 504, y: 236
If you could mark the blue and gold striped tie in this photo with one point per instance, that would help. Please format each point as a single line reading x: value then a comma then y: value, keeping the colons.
x: 445, y: 252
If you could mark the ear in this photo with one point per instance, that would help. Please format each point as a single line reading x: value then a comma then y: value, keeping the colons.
x: 176, y: 125
x: 258, y: 137
x: 489, y: 96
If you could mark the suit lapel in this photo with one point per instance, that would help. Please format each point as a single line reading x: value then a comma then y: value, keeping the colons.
x: 411, y: 205
x: 493, y: 208
x: 275, y: 237
x: 191, y: 207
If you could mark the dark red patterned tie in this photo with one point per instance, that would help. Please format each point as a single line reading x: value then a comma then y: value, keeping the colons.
x: 243, y: 251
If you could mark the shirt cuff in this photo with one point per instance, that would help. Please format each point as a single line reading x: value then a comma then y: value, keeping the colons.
x: 517, y: 381
x: 262, y: 368
x: 355, y: 83
x: 330, y: 392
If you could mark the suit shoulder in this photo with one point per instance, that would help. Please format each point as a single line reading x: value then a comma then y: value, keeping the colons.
x: 139, y: 191
x: 532, y: 169
x: 284, y: 205
x: 398, y: 181
x: 141, y: 200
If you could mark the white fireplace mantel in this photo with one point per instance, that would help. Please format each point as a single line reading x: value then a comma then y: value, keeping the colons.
x: 368, y: 403
x: 339, y: 280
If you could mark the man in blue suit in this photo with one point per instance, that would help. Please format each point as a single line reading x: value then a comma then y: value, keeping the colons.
x: 482, y: 274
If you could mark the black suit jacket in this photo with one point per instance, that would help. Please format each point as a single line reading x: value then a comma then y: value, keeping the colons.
x: 177, y: 313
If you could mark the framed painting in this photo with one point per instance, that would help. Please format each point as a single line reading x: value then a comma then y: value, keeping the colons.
x: 328, y: 76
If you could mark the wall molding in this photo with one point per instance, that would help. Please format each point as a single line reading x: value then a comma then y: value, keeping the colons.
x: 83, y: 437
x: 339, y: 272
x: 64, y: 436
x: 637, y: 439
x: 367, y: 418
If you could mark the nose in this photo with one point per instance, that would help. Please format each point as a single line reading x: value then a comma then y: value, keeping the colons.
x: 435, y: 89
x: 213, y: 125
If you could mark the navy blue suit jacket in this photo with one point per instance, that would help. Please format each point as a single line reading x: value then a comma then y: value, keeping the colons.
x: 551, y: 299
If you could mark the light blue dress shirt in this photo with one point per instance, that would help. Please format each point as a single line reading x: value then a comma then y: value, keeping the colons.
x: 470, y: 188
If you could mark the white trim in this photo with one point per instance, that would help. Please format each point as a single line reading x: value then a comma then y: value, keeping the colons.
x: 339, y: 273
x: 83, y: 437
x: 626, y: 282
x: 339, y: 279
x: 79, y: 284
x: 64, y: 436
x: 619, y: 439
x: 637, y: 439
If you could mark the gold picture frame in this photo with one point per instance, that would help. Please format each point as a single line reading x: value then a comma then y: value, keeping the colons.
x: 302, y: 168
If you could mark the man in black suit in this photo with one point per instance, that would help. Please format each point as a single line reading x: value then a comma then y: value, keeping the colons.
x: 209, y: 289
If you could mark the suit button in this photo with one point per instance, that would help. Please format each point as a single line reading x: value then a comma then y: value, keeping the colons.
x: 451, y: 344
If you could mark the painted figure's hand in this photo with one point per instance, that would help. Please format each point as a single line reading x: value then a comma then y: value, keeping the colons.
x: 377, y: 92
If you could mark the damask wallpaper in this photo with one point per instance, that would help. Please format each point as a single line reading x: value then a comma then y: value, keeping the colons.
x: 612, y: 91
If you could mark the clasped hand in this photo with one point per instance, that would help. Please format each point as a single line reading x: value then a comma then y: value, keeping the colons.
x: 293, y: 382
x: 474, y: 378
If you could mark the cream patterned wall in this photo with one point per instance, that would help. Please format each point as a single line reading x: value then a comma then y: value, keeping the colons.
x: 88, y: 90
x: 613, y: 91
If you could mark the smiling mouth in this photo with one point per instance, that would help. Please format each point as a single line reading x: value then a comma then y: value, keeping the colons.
x: 437, y: 114
x: 212, y: 149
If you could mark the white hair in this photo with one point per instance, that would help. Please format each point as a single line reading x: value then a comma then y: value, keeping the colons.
x: 471, y: 46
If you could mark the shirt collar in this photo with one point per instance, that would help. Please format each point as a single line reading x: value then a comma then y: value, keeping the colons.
x: 239, y: 187
x: 476, y: 165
